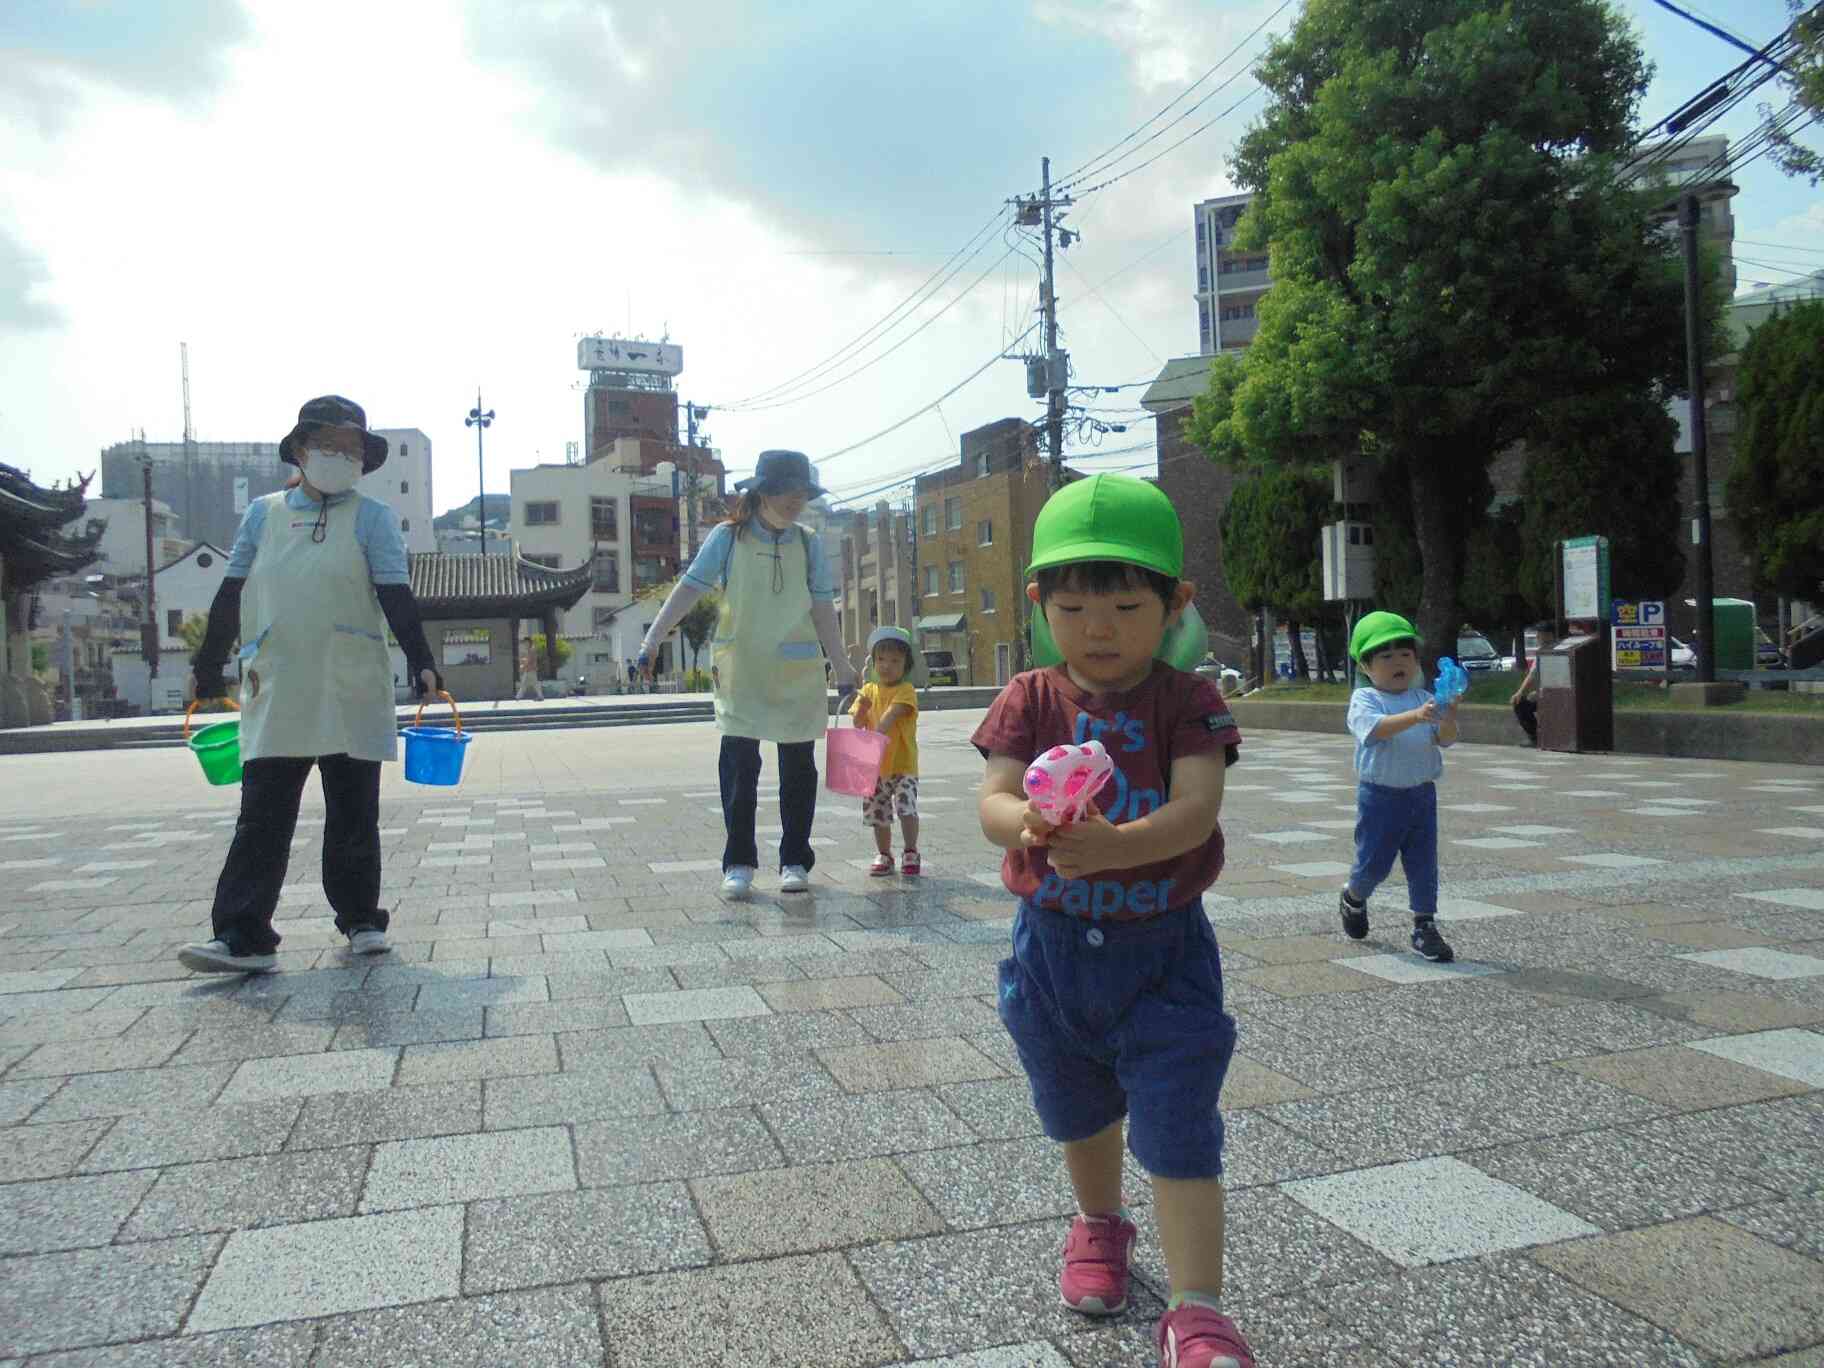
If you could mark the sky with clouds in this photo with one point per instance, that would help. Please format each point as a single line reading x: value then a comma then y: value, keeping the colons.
x: 405, y: 201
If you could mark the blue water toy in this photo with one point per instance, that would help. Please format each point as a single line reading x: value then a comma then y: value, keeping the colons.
x: 1451, y: 684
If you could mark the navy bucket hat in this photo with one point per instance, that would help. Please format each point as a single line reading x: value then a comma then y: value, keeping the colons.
x: 333, y: 411
x: 777, y: 472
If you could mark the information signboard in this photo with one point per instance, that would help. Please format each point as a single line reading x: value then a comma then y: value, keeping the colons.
x: 1585, y: 566
x: 1639, y: 634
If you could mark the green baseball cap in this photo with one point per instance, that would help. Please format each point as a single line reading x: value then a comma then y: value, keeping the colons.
x: 1376, y: 630
x: 1109, y: 518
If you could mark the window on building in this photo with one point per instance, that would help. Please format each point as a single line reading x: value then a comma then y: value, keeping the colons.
x: 405, y: 524
x: 648, y: 571
x: 956, y: 577
x: 1203, y: 277
x: 987, y: 600
x: 607, y: 566
x: 547, y: 559
x: 603, y: 618
x: 604, y: 518
x: 1200, y: 232
x: 541, y: 513
x: 981, y: 466
x: 930, y: 581
x: 930, y: 516
x: 174, y: 621
x: 953, y: 514
x: 984, y: 532
x: 405, y: 449
x: 405, y: 486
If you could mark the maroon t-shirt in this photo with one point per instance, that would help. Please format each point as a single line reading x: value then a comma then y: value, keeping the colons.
x: 1168, y: 715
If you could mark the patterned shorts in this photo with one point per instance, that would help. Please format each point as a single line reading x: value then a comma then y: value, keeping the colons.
x: 895, y: 795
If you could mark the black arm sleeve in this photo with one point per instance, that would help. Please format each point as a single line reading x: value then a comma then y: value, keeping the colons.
x: 224, y: 626
x: 401, y: 611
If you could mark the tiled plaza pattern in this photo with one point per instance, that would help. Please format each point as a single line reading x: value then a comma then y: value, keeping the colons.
x: 589, y: 1113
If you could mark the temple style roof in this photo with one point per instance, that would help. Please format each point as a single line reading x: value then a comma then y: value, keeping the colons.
x: 32, y: 549
x: 449, y: 587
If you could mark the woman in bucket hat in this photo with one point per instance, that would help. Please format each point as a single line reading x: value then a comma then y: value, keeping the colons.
x: 777, y: 623
x: 317, y: 575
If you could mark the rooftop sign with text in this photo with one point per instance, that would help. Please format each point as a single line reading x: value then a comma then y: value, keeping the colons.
x: 620, y: 354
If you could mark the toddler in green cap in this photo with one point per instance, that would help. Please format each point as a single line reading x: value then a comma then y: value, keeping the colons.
x: 1399, y: 731
x: 1113, y: 992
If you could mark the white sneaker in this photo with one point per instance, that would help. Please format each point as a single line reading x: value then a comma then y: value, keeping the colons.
x: 368, y: 941
x: 794, y: 879
x: 737, y: 881
x: 215, y: 957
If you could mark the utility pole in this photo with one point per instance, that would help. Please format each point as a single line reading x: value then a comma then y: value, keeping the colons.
x: 1047, y: 374
x: 692, y: 412
x: 148, y: 632
x: 1700, y: 443
x: 479, y: 420
x: 183, y: 355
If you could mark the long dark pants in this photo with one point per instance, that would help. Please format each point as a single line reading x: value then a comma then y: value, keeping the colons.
x: 740, y: 774
x: 247, y: 894
x: 1526, y: 713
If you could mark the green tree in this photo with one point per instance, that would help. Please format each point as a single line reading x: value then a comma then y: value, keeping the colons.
x: 1776, y: 484
x: 41, y: 657
x: 1804, y: 83
x: 1271, y: 527
x: 192, y: 631
x: 564, y: 651
x: 1453, y: 250
x: 1604, y: 465
x: 697, y: 625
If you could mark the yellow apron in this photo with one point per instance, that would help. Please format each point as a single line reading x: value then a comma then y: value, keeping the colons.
x: 315, y: 675
x: 768, y: 665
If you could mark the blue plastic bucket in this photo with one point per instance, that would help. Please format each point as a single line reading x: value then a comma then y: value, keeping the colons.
x: 433, y: 755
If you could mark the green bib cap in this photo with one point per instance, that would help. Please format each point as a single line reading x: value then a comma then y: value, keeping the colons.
x: 1376, y: 630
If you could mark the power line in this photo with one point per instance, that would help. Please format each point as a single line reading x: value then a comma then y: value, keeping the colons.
x: 964, y: 253
x: 1708, y: 27
x: 1781, y: 246
x: 1100, y: 299
x: 1095, y: 165
x: 1203, y: 127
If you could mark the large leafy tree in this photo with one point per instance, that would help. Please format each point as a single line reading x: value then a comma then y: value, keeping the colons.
x: 1270, y: 531
x: 1804, y: 82
x: 1454, y: 251
x: 1776, y: 485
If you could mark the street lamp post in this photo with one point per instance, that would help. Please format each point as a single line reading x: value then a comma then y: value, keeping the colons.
x: 479, y: 419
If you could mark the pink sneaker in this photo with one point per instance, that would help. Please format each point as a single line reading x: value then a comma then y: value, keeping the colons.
x: 1194, y: 1336
x: 1097, y: 1255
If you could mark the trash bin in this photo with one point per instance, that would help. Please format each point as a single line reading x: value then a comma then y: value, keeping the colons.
x: 1576, y: 696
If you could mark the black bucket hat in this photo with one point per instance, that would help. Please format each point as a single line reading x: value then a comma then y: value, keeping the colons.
x: 333, y: 411
x: 777, y: 471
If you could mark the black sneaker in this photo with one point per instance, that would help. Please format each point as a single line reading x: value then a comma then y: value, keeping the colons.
x: 1355, y: 916
x: 1427, y: 941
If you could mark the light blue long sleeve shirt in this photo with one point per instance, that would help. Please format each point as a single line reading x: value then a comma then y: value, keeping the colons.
x: 1412, y: 758
x: 376, y: 529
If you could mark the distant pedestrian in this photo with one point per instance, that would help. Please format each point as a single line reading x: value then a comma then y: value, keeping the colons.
x: 777, y: 624
x: 1526, y: 697
x: 317, y: 574
x: 1399, y: 730
x: 888, y: 702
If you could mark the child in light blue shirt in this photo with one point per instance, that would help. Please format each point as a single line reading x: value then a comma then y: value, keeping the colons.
x: 1399, y: 732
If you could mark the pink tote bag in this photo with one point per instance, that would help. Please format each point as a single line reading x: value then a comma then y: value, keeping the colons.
x: 852, y: 757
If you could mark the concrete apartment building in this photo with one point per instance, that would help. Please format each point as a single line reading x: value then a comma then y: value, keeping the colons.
x: 974, y: 538
x: 877, y: 566
x: 208, y: 485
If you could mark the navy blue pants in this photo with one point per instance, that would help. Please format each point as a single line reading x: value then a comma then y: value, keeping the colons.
x: 1399, y: 822
x: 739, y: 770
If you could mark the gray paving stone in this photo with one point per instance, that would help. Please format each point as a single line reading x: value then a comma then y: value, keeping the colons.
x: 249, y: 1192
x: 1796, y: 1224
x: 786, y: 1034
x: 136, y: 1090
x: 262, y: 1080
x: 20, y: 1100
x: 1779, y: 1144
x: 633, y: 1149
x: 462, y: 1168
x: 282, y: 1346
x: 633, y: 1046
x: 993, y: 1183
x: 418, y: 1028
x: 732, y: 1315
x: 856, y: 1201
x: 128, y: 1292
x: 37, y: 1030
x: 820, y: 1129
x: 699, y: 1084
x: 47, y: 1151
x: 548, y: 1018
x: 555, y: 1327
x: 596, y: 1233
x: 501, y: 1058
x: 153, y: 1139
x: 322, y: 1267
x: 391, y: 1114
x: 255, y: 1041
x: 67, y: 1213
x: 135, y: 1051
x: 928, y: 1020
x: 561, y: 1099
x: 994, y: 1108
x: 694, y: 1004
x: 907, y: 1064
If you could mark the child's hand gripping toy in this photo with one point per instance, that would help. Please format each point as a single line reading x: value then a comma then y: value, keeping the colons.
x: 1062, y: 782
x: 1451, y: 684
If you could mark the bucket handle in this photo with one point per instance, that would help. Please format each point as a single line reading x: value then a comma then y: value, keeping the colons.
x: 195, y: 702
x: 447, y: 699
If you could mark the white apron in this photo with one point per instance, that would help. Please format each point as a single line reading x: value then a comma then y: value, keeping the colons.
x: 315, y: 675
x: 768, y: 665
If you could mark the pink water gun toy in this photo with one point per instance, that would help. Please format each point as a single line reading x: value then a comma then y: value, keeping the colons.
x: 1063, y: 781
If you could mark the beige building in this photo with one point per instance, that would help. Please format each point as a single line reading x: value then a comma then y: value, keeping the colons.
x: 974, y: 538
x: 877, y: 569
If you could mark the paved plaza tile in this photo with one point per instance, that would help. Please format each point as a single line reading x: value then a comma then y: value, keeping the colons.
x: 590, y: 1112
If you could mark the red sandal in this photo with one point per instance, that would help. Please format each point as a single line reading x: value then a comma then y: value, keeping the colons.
x: 882, y: 866
x: 908, y: 863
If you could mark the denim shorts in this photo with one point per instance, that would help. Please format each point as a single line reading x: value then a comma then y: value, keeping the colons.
x: 1116, y: 1019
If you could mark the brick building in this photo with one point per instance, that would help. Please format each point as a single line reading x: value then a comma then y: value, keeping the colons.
x: 974, y: 538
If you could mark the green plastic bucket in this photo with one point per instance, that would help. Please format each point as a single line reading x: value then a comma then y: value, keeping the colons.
x: 217, y: 748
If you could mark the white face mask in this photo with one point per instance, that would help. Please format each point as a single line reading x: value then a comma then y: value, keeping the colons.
x: 331, y: 471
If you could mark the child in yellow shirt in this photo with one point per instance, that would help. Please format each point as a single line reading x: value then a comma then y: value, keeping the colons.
x: 888, y: 703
